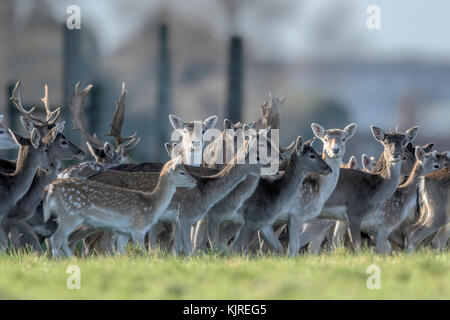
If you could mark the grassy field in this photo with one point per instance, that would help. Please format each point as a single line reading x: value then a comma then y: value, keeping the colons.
x: 423, y: 275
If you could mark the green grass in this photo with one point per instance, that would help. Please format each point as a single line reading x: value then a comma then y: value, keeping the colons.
x: 338, y: 275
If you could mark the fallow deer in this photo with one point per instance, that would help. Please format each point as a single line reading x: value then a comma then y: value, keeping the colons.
x: 104, y: 153
x: 270, y: 113
x: 351, y: 164
x: 128, y: 213
x: 273, y: 198
x: 358, y: 195
x: 316, y: 189
x: 192, y: 137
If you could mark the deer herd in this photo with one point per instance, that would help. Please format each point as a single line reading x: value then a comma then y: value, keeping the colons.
x: 197, y: 202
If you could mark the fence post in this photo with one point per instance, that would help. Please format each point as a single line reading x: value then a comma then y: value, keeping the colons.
x: 163, y: 99
x: 235, y: 79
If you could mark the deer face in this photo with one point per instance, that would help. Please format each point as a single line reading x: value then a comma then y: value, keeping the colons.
x: 6, y: 140
x: 179, y: 176
x: 308, y: 158
x: 394, y: 143
x: 428, y: 161
x: 444, y: 159
x: 34, y: 148
x: 334, y: 140
x: 192, y: 136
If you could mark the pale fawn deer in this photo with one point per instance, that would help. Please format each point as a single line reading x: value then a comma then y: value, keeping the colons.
x: 128, y: 213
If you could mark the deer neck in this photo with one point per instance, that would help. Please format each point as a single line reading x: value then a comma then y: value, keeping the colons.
x: 23, y: 176
x: 391, y: 178
x: 289, y: 184
x: 160, y: 197
x: 414, y: 178
x: 221, y: 184
x: 243, y: 190
x: 327, y: 183
x: 35, y: 192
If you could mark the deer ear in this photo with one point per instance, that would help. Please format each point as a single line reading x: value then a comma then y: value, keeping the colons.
x: 318, y: 130
x: 227, y: 124
x: 108, y: 149
x: 350, y: 130
x: 168, y: 147
x: 352, y: 163
x: 27, y: 124
x: 264, y: 132
x: 210, y: 122
x: 35, y: 138
x: 377, y: 133
x: 176, y: 122
x: 365, y: 160
x: 299, y: 144
x: 411, y: 133
x: 428, y: 147
x: 447, y: 154
x: 420, y: 154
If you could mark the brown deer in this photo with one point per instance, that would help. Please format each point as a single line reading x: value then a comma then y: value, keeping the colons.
x: 273, y: 198
x: 270, y: 113
x: 104, y: 153
x: 128, y: 213
x: 358, y: 195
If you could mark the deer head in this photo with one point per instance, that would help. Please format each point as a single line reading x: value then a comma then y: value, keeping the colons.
x: 33, y: 149
x: 177, y: 174
x: 334, y: 140
x: 428, y: 161
x: 368, y: 163
x: 444, y: 159
x: 192, y: 137
x: 394, y: 143
x: 6, y: 141
x: 270, y: 112
x: 305, y: 156
x: 104, y: 151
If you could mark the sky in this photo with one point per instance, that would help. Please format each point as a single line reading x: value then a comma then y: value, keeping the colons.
x: 284, y: 30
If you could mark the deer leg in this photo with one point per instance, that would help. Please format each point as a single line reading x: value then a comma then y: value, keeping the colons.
x: 182, y: 240
x: 213, y: 229
x: 314, y: 231
x: 382, y: 242
x: 153, y: 234
x: 436, y: 219
x: 354, y: 227
x: 440, y: 239
x: 240, y: 242
x: 339, y: 233
x: 139, y: 239
x: 201, y: 235
x: 122, y: 241
x: 295, y: 226
x: 3, y: 240
x: 272, y: 239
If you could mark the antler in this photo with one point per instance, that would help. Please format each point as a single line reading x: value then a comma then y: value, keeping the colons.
x: 15, y: 98
x: 52, y: 116
x: 77, y: 113
x: 117, y: 123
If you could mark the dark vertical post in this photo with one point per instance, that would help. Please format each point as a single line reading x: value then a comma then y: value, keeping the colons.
x: 72, y: 65
x: 235, y: 79
x: 163, y: 102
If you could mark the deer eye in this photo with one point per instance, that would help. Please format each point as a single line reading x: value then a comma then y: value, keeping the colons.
x: 46, y: 151
x: 313, y: 156
x: 182, y: 173
x: 64, y: 142
x: 2, y: 131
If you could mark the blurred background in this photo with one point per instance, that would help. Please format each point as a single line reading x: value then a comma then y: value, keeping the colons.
x: 197, y: 58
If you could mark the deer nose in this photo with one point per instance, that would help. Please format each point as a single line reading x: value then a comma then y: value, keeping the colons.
x: 436, y: 166
x: 396, y: 156
x: 336, y: 150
